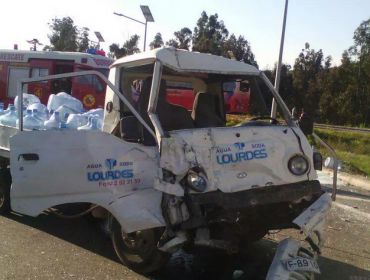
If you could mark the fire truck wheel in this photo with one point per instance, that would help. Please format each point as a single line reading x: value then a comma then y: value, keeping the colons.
x: 138, y: 250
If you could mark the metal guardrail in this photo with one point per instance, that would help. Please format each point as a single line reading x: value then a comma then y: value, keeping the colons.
x: 335, y: 171
x: 342, y: 128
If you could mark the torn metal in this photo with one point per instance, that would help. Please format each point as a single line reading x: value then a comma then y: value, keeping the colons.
x: 312, y: 221
x: 289, y: 249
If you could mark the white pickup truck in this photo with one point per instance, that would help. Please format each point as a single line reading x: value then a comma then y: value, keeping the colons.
x: 167, y: 178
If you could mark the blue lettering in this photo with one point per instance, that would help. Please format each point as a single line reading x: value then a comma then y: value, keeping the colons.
x: 109, y: 175
x: 263, y: 153
x: 249, y: 155
x: 241, y: 156
x: 218, y: 160
x: 227, y: 156
x: 232, y: 157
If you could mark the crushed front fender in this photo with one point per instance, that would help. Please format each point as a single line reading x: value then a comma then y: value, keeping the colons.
x: 312, y: 221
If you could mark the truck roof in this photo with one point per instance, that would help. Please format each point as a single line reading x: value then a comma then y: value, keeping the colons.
x: 96, y: 61
x: 185, y: 61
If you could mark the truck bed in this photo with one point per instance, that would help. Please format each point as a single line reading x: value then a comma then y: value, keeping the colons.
x: 5, y: 133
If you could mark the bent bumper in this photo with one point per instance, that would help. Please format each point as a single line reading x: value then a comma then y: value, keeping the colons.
x: 311, y: 222
x: 260, y: 196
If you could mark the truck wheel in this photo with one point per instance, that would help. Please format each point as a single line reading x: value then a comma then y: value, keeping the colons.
x: 4, y: 198
x: 138, y: 250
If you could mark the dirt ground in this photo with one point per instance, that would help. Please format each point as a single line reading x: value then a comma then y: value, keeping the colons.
x: 49, y: 248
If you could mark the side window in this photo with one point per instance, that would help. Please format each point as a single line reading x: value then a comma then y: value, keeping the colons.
x: 228, y: 86
x: 97, y: 85
x: 39, y: 72
x: 244, y: 87
x: 86, y: 80
x: 16, y: 74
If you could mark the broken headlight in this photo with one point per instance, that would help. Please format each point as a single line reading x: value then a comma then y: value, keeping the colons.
x: 196, y: 182
x: 298, y: 165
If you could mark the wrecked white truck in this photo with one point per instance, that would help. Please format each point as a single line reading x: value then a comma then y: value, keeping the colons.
x: 167, y: 178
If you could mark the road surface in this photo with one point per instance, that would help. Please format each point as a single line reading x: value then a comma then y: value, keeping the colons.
x: 50, y: 248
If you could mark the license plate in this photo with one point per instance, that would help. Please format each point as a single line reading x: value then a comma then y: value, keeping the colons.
x: 302, y: 264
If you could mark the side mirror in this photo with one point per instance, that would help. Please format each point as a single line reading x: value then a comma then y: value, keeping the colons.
x: 305, y: 123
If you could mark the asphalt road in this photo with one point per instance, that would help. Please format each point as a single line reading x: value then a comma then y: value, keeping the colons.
x: 50, y: 248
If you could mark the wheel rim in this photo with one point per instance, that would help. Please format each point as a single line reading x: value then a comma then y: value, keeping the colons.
x: 2, y: 197
x: 137, y: 245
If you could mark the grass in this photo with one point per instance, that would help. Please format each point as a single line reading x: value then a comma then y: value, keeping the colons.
x: 353, y: 149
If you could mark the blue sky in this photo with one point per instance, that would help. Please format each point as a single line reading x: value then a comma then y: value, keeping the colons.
x: 325, y: 24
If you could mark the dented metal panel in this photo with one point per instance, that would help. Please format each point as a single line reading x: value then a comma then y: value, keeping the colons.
x: 185, y: 61
x: 5, y: 133
x: 260, y: 154
x: 86, y: 166
x: 312, y: 221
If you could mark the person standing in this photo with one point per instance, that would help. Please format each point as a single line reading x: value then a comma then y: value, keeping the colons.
x: 295, y: 113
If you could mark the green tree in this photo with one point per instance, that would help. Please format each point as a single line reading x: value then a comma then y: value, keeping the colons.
x: 66, y: 36
x: 128, y: 48
x: 306, y: 69
x: 83, y: 40
x: 346, y: 88
x: 157, y: 42
x: 240, y: 48
x: 286, y: 90
x: 209, y: 34
x: 182, y: 39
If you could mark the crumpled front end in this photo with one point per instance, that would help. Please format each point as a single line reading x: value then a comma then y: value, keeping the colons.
x: 292, y: 260
x: 237, y: 158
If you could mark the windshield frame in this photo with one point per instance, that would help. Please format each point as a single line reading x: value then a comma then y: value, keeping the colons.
x: 157, y: 76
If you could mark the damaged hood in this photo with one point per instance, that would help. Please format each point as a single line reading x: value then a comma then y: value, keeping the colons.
x: 237, y: 158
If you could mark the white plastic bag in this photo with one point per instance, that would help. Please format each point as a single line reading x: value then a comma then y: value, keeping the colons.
x: 28, y: 99
x: 63, y: 98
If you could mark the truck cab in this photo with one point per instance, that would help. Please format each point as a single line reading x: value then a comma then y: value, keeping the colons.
x: 167, y: 177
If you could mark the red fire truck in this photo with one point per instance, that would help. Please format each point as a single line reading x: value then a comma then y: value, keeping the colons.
x: 236, y: 95
x: 15, y: 65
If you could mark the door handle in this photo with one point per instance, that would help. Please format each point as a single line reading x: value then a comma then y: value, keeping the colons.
x: 29, y: 157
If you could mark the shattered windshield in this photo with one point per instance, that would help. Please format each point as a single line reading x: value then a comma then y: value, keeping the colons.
x: 249, y: 100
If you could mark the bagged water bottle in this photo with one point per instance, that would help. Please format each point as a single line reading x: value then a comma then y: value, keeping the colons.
x: 92, y: 126
x: 95, y: 112
x: 40, y: 117
x: 30, y: 122
x: 8, y: 109
x: 42, y: 111
x: 28, y: 99
x: 62, y: 98
x: 63, y: 110
x: 10, y: 118
x: 53, y: 122
x: 74, y: 121
x: 63, y: 126
x: 2, y: 111
x: 86, y: 125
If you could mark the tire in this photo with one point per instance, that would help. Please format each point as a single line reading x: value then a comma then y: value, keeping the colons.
x: 5, y: 182
x: 138, y: 250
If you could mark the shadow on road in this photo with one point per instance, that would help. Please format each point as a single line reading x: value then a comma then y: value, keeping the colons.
x: 347, y: 193
x: 79, y: 232
x: 202, y: 265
